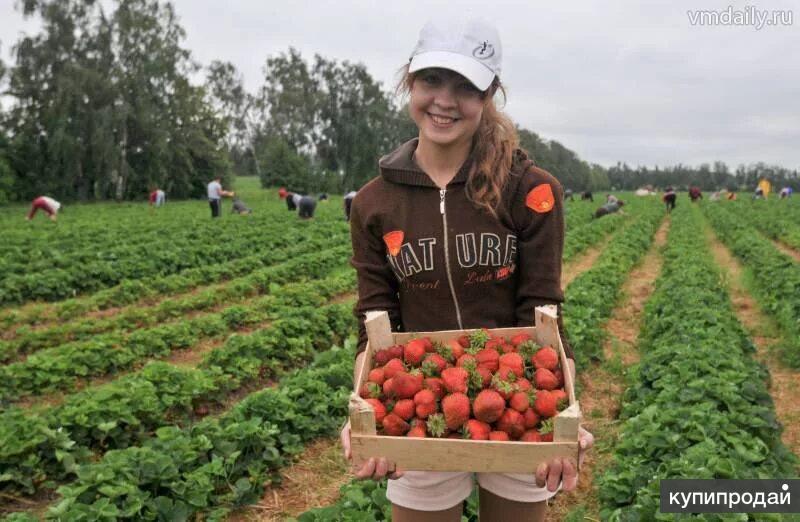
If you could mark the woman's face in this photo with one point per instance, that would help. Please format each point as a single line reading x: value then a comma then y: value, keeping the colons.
x: 446, y: 107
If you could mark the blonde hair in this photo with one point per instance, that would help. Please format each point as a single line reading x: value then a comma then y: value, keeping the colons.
x: 493, y: 146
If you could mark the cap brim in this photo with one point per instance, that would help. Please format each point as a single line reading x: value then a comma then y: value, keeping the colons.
x: 477, y: 73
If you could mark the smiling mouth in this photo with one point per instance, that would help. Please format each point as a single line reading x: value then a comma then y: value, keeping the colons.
x: 442, y: 120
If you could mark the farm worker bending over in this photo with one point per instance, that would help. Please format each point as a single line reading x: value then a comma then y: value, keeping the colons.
x: 157, y: 198
x: 463, y: 177
x: 240, y: 208
x: 215, y: 195
x: 669, y: 198
x: 611, y: 198
x: 786, y: 192
x: 609, y: 208
x: 49, y: 205
x: 348, y: 203
x: 587, y: 195
x: 292, y: 200
x: 306, y: 206
x: 695, y: 194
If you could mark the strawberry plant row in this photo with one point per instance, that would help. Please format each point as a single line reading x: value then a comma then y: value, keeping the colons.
x: 170, y: 308
x: 58, y: 368
x: 591, y: 297
x: 698, y: 406
x: 581, y: 238
x: 130, y: 291
x: 42, y: 449
x: 775, y: 276
x: 218, y: 463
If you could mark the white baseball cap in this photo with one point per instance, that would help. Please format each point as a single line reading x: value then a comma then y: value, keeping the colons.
x: 471, y: 48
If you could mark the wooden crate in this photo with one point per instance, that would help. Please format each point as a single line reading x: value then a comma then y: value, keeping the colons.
x: 432, y: 454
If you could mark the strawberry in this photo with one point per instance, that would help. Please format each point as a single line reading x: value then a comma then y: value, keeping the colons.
x: 433, y: 364
x: 545, y: 358
x: 495, y: 343
x: 499, y: 435
x: 391, y: 368
x: 514, y: 362
x: 545, y: 380
x: 425, y: 402
x: 436, y: 385
x: 562, y: 400
x: 476, y: 430
x: 456, y: 410
x: 436, y: 425
x: 488, y: 358
x: 396, y: 351
x: 521, y: 338
x: 428, y: 344
x: 508, y: 348
x: 547, y: 431
x: 406, y: 385
x: 545, y: 404
x: 486, y: 376
x: 377, y: 376
x: 530, y: 419
x: 404, y: 408
x: 559, y: 377
x: 414, y: 352
x: 520, y: 401
x: 382, y: 357
x: 488, y: 406
x: 504, y: 387
x: 417, y: 431
x: 380, y: 410
x: 477, y: 340
x: 370, y: 390
x: 388, y: 387
x: 456, y: 348
x: 527, y: 349
x: 523, y: 384
x: 512, y: 422
x: 455, y: 380
x: 394, y: 426
x: 465, y: 360
x: 531, y: 436
x: 463, y: 341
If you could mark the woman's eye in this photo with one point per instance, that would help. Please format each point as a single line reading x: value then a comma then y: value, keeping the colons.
x: 469, y: 88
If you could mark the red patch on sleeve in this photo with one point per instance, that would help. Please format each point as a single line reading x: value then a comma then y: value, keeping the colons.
x: 393, y: 240
x: 540, y: 199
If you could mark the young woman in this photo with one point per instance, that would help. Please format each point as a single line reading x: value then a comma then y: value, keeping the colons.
x: 459, y: 231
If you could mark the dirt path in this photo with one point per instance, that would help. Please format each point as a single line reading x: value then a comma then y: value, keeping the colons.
x: 785, y: 383
x: 604, y: 384
x: 313, y: 481
x: 786, y: 249
x: 577, y: 266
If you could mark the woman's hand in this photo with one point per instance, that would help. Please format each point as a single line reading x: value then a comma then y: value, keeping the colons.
x: 376, y: 469
x: 561, y: 470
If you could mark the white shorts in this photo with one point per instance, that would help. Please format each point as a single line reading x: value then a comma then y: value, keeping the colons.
x: 440, y: 490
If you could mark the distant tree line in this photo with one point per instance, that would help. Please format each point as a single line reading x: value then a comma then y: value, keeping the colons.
x: 100, y: 105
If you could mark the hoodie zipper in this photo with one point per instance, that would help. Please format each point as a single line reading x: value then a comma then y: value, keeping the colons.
x: 442, y: 211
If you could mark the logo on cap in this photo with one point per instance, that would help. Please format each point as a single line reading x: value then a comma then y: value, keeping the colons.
x: 484, y: 51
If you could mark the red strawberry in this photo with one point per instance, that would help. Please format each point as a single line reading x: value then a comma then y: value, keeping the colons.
x: 520, y: 338
x: 428, y: 344
x: 547, y: 430
x: 545, y: 404
x: 530, y: 418
x: 455, y: 380
x: 514, y: 362
x: 405, y: 409
x: 508, y: 348
x: 394, y: 426
x: 545, y: 380
x: 520, y: 402
x: 425, y: 402
x: 559, y: 377
x: 456, y: 410
x: 377, y: 376
x: 382, y: 357
x: 486, y: 376
x: 456, y: 347
x: 531, y: 436
x: 406, y: 385
x: 465, y: 360
x: 523, y: 384
x: 476, y: 430
x: 499, y: 435
x: 436, y: 425
x: 495, y: 343
x: 488, y: 406
x: 393, y: 367
x: 436, y: 385
x: 396, y: 351
x: 433, y: 364
x: 504, y: 387
x: 546, y: 358
x: 388, y: 387
x: 463, y: 341
x: 488, y: 358
x: 512, y: 422
x: 380, y: 410
x: 370, y: 390
x: 562, y: 400
x: 417, y: 431
x: 414, y: 352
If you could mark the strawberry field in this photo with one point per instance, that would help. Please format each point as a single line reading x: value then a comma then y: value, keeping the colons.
x: 161, y: 365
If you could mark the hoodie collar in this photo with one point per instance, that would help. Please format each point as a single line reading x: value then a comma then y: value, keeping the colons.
x: 400, y: 167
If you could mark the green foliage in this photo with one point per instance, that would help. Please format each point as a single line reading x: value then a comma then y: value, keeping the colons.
x: 282, y: 166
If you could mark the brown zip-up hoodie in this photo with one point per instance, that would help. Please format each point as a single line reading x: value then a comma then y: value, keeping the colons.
x: 435, y: 262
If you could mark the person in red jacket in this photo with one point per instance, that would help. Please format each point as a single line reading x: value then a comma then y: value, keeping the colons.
x: 46, y: 204
x: 460, y: 230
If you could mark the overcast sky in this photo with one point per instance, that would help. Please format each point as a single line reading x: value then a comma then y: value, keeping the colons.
x: 613, y: 81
